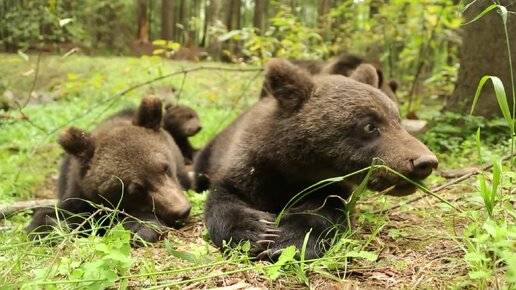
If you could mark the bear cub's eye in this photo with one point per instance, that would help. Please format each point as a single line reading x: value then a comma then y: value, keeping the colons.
x: 370, y: 128
x: 135, y: 189
x: 167, y: 170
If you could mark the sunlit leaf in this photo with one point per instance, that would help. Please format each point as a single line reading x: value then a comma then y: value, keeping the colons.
x: 65, y: 21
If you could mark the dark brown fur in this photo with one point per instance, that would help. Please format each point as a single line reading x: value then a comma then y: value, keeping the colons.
x: 128, y: 162
x: 314, y: 127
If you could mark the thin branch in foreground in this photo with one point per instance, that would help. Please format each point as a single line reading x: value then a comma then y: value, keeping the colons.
x: 7, y: 210
x: 23, y: 116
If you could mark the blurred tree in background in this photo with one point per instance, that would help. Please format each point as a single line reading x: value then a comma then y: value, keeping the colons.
x: 484, y: 52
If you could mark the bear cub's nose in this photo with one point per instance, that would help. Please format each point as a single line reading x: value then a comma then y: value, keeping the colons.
x: 423, y: 165
x: 184, y: 212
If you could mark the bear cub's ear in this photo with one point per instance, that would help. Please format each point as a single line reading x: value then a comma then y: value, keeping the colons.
x: 78, y: 143
x: 289, y: 84
x: 149, y: 114
x: 367, y: 74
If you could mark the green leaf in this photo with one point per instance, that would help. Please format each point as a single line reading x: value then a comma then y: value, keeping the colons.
x: 395, y: 233
x: 370, y: 256
x: 189, y: 257
x: 479, y: 274
x: 246, y: 246
x: 173, y: 45
x: 286, y: 256
x: 475, y: 257
x: 228, y: 35
x: 64, y: 21
x: 503, y: 12
x: 158, y: 51
x: 159, y: 42
x: 24, y: 56
x: 500, y: 96
x: 491, y: 7
x: 102, y: 248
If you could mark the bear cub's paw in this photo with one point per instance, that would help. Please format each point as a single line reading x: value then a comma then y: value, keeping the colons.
x: 265, y: 233
x: 150, y: 233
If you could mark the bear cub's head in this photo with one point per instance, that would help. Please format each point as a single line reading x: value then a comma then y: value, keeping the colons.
x: 132, y: 164
x: 181, y: 121
x: 338, y: 125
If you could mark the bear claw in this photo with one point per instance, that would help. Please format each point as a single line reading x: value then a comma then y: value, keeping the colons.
x: 266, y: 222
x: 269, y: 254
x: 265, y: 236
x: 266, y: 242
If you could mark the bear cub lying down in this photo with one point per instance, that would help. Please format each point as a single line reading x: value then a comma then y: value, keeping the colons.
x: 312, y: 128
x: 129, y: 161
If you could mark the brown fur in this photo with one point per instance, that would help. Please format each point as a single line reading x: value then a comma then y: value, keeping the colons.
x: 128, y: 163
x: 314, y: 127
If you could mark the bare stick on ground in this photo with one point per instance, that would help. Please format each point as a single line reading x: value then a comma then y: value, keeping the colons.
x: 7, y: 210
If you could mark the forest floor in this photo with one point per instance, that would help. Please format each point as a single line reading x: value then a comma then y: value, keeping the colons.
x: 424, y: 244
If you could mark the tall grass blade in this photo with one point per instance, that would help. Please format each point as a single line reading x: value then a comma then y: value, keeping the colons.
x: 501, y: 97
x: 491, y: 7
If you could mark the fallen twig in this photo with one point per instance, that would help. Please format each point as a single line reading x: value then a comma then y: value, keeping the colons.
x: 446, y: 185
x: 12, y: 117
x: 7, y: 210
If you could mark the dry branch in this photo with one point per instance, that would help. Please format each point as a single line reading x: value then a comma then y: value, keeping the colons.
x: 7, y: 210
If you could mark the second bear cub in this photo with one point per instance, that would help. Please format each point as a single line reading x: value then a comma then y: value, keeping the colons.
x: 129, y: 164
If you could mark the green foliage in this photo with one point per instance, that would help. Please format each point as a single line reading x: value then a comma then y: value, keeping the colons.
x: 285, y: 37
x: 165, y: 48
x: 47, y: 24
x: 98, y: 265
x: 452, y: 132
x: 287, y: 255
x: 31, y: 24
x: 489, y: 247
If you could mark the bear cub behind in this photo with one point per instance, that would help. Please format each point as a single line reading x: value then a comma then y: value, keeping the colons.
x: 128, y: 162
x: 182, y: 122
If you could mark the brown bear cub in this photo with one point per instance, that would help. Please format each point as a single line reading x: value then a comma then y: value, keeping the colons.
x: 345, y: 64
x: 127, y: 162
x: 182, y: 122
x: 312, y: 128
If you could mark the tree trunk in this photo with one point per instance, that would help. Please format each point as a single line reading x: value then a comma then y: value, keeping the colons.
x: 484, y: 52
x: 143, y: 24
x: 166, y: 19
x: 237, y: 16
x: 195, y: 31
x: 214, y: 15
x: 259, y: 11
x: 183, y: 20
x: 324, y: 19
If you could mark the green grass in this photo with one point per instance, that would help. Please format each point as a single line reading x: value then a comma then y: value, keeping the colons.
x: 426, y: 244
